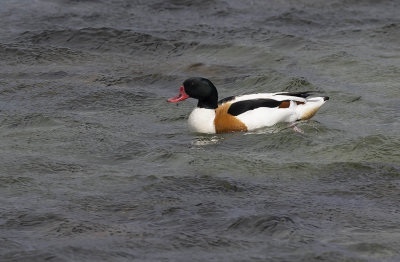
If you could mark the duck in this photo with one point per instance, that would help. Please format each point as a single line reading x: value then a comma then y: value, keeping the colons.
x: 243, y: 113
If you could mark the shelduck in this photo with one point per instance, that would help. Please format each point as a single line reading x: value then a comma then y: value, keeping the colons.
x: 244, y: 112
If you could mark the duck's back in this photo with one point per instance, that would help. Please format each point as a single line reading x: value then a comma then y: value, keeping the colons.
x: 249, y: 112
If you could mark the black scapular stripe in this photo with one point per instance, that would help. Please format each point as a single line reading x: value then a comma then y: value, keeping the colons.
x: 304, y: 94
x: 226, y: 99
x: 246, y: 105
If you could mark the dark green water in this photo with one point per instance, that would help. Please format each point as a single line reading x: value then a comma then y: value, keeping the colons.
x: 95, y: 165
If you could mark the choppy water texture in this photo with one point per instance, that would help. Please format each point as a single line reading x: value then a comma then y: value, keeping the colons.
x: 95, y: 165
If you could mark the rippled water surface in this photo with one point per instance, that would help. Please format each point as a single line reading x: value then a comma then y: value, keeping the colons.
x: 95, y: 165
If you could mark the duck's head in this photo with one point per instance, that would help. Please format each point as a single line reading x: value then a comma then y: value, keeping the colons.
x: 198, y: 88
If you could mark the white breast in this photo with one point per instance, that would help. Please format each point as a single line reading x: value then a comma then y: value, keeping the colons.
x: 202, y: 120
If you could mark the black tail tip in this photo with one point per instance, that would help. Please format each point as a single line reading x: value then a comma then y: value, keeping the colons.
x: 326, y: 98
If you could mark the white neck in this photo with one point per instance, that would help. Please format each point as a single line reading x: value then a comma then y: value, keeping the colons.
x: 202, y: 120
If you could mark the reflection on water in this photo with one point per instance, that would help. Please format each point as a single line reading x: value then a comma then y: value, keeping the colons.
x: 207, y: 140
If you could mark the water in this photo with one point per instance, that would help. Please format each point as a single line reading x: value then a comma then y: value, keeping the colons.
x: 96, y: 166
